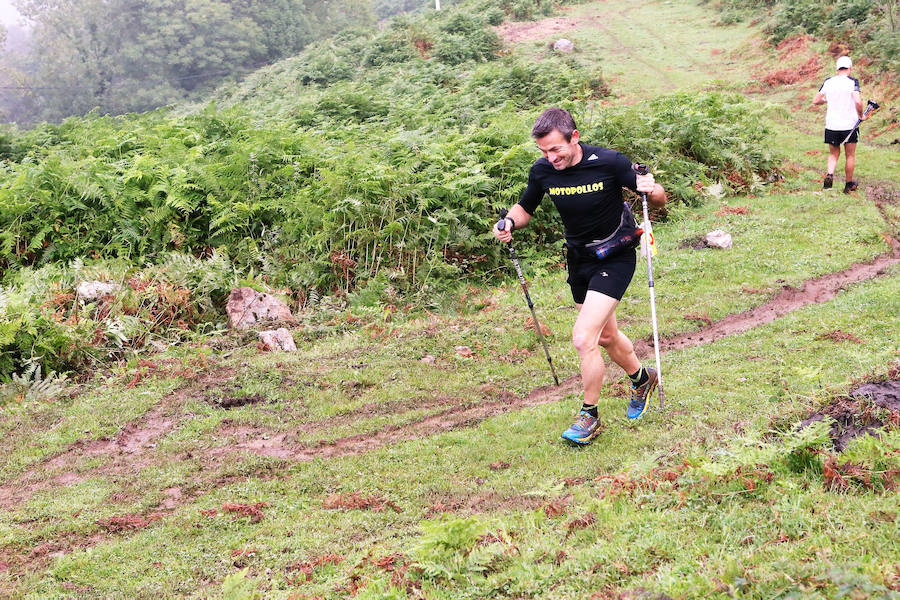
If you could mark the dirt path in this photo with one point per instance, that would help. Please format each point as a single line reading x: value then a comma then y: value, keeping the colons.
x: 127, y: 453
x: 815, y: 291
x: 514, y: 32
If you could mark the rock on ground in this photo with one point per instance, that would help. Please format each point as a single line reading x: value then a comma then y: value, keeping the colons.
x: 718, y: 239
x: 563, y: 45
x: 91, y: 290
x: 247, y: 307
x: 277, y: 339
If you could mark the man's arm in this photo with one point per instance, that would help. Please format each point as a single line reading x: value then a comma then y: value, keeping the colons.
x: 857, y: 100
x: 519, y: 216
x: 820, y: 98
x: 656, y: 195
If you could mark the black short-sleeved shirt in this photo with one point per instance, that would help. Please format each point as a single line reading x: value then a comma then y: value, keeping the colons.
x: 588, y: 195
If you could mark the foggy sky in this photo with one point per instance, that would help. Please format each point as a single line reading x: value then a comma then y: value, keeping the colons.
x: 8, y: 14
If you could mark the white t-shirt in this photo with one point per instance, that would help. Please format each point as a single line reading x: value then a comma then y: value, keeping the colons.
x: 841, y: 114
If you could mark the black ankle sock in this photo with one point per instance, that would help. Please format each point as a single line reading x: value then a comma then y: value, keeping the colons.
x: 640, y: 377
x: 590, y: 409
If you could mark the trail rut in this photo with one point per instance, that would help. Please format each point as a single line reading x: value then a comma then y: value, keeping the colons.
x: 815, y: 291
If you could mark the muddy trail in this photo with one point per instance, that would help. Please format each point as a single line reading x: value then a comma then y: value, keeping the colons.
x: 125, y: 454
x: 130, y: 450
x: 815, y: 291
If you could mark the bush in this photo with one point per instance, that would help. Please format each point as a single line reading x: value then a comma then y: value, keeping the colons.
x: 866, y: 24
x: 689, y: 139
x: 42, y: 320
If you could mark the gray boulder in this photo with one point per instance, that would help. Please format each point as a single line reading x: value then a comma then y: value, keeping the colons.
x: 563, y: 45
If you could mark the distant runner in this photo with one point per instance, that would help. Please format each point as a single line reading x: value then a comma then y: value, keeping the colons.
x: 585, y: 183
x: 845, y: 107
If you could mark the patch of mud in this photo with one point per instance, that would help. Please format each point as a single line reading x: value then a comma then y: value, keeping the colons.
x: 694, y: 243
x: 861, y: 412
x: 279, y: 446
x: 127, y: 522
x: 885, y: 197
x: 237, y: 401
x: 128, y: 452
x: 478, y: 502
x: 358, y: 501
x: 839, y: 336
x: 285, y: 445
x: 253, y: 439
x: 513, y: 32
x: 885, y: 394
x: 808, y: 71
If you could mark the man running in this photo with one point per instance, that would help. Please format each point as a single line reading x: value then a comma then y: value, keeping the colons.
x: 585, y: 183
x: 845, y: 106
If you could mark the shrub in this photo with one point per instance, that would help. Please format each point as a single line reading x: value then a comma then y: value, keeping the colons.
x: 689, y: 139
x: 42, y: 321
x: 868, y: 25
x: 387, y: 48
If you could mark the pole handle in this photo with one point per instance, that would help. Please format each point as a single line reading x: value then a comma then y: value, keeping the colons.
x: 641, y: 169
x: 501, y: 224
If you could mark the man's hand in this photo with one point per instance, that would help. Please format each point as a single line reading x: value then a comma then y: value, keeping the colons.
x: 516, y: 218
x: 645, y: 183
x: 505, y: 234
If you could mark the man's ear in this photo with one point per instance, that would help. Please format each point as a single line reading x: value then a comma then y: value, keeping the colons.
x: 575, y: 137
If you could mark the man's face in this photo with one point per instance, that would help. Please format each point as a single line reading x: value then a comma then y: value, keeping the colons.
x: 558, y: 151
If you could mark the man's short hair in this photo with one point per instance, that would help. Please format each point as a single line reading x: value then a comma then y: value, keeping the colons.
x: 554, y: 118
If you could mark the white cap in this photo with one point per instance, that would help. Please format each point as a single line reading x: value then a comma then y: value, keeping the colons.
x: 843, y: 62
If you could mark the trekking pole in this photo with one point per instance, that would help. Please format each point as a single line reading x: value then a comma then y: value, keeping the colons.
x: 871, y: 106
x: 648, y: 231
x: 501, y: 225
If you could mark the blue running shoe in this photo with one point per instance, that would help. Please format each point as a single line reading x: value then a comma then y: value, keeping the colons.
x: 640, y: 396
x: 583, y: 430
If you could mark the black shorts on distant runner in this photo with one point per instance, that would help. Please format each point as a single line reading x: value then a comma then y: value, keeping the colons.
x: 609, y: 276
x: 836, y: 138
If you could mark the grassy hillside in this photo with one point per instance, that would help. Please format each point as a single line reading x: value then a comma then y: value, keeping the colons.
x: 410, y: 448
x: 364, y: 170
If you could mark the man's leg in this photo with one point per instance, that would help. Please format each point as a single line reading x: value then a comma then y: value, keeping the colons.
x: 593, y: 316
x: 834, y: 153
x: 849, y: 165
x: 621, y: 351
x: 618, y: 346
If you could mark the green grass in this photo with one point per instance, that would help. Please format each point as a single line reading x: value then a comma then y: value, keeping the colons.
x: 651, y: 48
x: 718, y: 496
x: 719, y: 404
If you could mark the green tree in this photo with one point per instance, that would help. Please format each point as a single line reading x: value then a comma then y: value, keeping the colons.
x: 134, y: 55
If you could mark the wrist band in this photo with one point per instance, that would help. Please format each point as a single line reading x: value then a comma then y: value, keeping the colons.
x: 510, y: 219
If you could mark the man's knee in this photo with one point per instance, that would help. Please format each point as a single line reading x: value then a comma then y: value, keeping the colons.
x: 584, y: 340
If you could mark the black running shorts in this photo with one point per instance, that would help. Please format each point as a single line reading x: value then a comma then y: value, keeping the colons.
x: 836, y: 138
x: 609, y: 276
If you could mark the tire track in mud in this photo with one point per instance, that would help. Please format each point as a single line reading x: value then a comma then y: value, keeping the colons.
x: 814, y: 291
